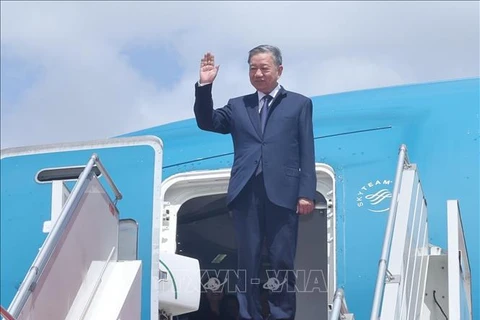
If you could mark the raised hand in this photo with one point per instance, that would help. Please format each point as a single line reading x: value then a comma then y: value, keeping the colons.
x: 208, y: 70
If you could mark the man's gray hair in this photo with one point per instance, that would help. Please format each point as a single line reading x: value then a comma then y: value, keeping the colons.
x: 265, y: 48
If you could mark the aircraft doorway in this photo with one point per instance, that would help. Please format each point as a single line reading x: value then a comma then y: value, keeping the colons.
x: 197, y: 224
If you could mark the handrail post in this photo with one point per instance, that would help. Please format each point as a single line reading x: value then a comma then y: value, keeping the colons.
x: 102, y: 169
x: 337, y: 304
x: 382, y: 266
x: 43, y: 256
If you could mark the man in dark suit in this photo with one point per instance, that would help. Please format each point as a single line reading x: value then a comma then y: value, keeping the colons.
x: 273, y: 175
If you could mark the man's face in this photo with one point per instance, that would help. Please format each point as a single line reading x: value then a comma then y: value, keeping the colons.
x: 264, y: 74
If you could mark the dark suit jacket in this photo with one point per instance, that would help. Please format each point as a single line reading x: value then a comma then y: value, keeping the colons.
x: 286, y: 147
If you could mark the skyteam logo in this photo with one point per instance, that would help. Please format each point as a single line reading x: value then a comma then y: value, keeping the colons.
x: 375, y: 196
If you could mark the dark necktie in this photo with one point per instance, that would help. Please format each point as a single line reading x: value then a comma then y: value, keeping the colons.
x: 264, y: 111
x: 263, y: 121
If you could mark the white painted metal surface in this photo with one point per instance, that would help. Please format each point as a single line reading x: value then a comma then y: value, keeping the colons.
x: 422, y: 282
x: 435, y: 302
x: 60, y: 194
x: 63, y: 275
x: 179, y: 288
x: 459, y: 285
x: 407, y: 265
x: 387, y: 240
x: 118, y: 295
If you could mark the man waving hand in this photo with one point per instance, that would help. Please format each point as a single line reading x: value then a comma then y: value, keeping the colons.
x: 273, y: 174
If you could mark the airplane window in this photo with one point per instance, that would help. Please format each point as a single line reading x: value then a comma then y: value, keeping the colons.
x: 127, y: 239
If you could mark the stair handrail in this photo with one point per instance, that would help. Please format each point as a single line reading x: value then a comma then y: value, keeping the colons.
x: 5, y: 314
x: 29, y: 283
x: 383, y: 262
x: 339, y: 306
x: 458, y: 264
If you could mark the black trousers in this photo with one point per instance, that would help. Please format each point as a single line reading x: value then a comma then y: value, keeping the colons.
x: 256, y: 220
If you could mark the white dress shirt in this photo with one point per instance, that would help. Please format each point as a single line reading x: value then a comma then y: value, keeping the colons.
x: 271, y: 94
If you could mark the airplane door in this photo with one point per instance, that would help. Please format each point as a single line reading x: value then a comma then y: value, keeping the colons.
x: 316, y: 253
x: 315, y: 258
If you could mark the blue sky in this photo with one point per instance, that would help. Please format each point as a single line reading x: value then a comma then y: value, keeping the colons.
x: 133, y: 65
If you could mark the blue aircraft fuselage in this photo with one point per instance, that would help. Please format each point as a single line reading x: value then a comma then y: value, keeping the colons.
x: 358, y: 134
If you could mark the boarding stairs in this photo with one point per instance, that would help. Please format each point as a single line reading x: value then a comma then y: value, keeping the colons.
x: 417, y: 280
x: 77, y: 273
x: 87, y: 267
